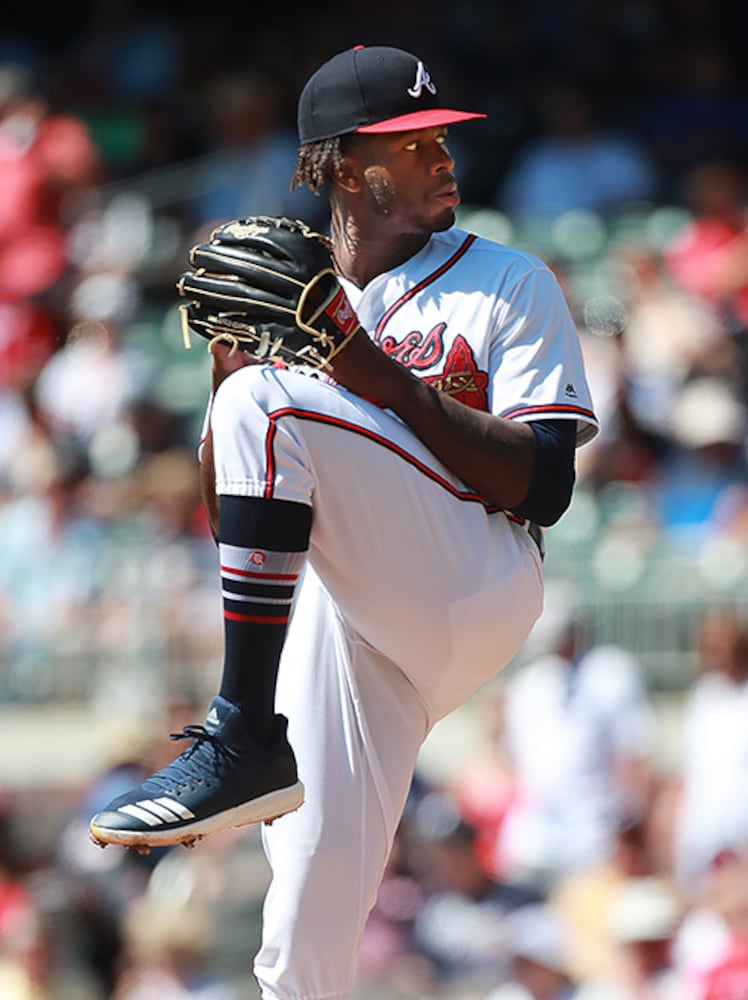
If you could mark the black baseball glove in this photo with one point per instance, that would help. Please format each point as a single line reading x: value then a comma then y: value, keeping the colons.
x: 267, y: 286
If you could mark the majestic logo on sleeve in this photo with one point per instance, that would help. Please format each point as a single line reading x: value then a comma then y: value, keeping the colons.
x: 423, y: 79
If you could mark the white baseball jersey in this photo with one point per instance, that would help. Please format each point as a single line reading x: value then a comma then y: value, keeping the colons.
x: 485, y: 323
x: 416, y: 592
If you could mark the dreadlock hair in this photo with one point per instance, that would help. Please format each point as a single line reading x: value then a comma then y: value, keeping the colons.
x: 315, y: 161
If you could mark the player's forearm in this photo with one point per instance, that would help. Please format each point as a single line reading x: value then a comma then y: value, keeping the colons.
x: 492, y: 456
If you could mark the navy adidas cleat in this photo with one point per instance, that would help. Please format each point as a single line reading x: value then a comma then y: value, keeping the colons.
x: 222, y: 780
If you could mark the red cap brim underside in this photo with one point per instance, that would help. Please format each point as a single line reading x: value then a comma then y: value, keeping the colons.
x: 420, y: 119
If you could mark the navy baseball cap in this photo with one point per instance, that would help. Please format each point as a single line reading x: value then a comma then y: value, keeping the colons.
x: 373, y: 90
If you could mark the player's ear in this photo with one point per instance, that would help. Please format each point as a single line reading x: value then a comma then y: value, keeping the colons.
x: 347, y: 174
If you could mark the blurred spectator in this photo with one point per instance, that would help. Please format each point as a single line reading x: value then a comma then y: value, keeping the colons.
x: 99, y: 886
x: 88, y: 384
x: 624, y: 450
x: 670, y: 335
x: 727, y: 980
x: 712, y: 813
x: 484, y: 786
x: 223, y: 882
x: 701, y: 484
x: 640, y: 346
x: 121, y: 72
x: 575, y: 162
x: 251, y: 154
x: 462, y: 927
x: 165, y: 955
x: 539, y: 963
x: 47, y: 516
x: 579, y: 730
x: 27, y: 341
x: 29, y: 459
x: 620, y: 452
x: 584, y: 899
x: 45, y: 157
x: 710, y: 947
x: 708, y: 256
x: 644, y: 920
x: 23, y: 959
x: 705, y: 254
x: 695, y: 103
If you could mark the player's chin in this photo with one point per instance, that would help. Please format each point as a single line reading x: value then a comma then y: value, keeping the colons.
x: 442, y: 220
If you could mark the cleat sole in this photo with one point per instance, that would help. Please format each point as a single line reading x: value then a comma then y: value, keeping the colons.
x: 262, y: 810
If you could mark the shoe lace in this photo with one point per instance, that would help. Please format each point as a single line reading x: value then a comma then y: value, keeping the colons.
x: 197, y: 733
x: 206, y: 753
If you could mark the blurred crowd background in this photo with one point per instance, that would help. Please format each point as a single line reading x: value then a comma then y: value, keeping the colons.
x: 581, y: 828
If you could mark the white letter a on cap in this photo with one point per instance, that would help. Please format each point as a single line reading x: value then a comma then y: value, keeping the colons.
x: 422, y: 80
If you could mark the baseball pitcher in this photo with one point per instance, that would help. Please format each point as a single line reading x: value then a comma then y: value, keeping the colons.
x: 395, y: 417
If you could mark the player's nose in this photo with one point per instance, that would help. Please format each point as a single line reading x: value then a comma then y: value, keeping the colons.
x: 442, y: 159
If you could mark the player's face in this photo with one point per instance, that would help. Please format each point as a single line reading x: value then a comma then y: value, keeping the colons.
x: 407, y: 178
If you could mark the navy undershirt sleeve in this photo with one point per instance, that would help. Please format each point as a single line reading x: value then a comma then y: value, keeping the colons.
x: 553, y: 471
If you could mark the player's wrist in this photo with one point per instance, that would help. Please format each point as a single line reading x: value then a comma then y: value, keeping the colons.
x: 325, y: 312
x: 362, y: 367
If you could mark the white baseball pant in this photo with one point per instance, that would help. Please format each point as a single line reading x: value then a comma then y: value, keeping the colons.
x: 412, y: 598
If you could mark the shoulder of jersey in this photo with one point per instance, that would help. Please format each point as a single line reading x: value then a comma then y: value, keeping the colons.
x: 455, y: 237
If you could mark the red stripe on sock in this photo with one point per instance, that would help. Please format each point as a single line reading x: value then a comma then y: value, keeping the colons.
x: 260, y: 576
x: 255, y: 619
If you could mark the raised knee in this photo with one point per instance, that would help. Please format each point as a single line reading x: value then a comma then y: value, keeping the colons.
x: 243, y: 393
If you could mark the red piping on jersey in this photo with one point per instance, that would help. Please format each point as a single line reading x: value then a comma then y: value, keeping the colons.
x: 524, y: 411
x: 467, y: 243
x: 269, y: 462
x: 324, y: 418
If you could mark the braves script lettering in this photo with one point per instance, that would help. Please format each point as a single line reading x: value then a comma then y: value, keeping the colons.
x: 415, y: 350
x: 460, y: 376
